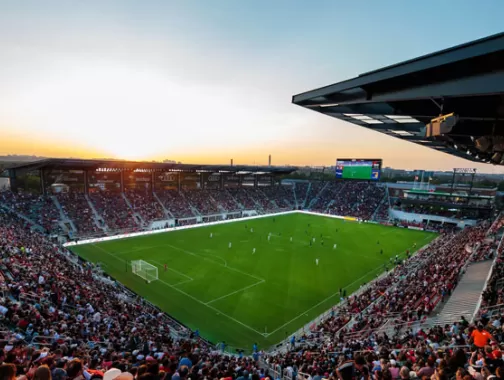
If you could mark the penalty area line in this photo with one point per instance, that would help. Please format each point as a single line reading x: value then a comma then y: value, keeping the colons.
x: 236, y: 291
x: 191, y: 297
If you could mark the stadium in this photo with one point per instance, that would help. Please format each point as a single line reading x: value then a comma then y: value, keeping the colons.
x: 116, y: 268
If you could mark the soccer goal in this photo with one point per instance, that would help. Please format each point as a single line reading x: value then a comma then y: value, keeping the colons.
x: 145, y: 270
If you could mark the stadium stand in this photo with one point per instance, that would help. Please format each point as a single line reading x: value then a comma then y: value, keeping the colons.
x: 76, y: 207
x: 176, y: 203
x: 144, y: 203
x: 113, y: 208
x: 55, y: 307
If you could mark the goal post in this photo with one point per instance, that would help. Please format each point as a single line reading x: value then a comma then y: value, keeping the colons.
x: 144, y: 270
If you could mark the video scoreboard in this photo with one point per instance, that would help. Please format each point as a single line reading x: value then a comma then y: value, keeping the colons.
x: 359, y: 169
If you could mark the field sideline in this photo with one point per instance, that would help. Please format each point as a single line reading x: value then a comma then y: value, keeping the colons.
x: 241, y: 297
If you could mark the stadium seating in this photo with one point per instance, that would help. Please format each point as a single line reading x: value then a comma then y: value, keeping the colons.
x: 114, y: 209
x: 144, y: 203
x: 138, y: 208
x: 76, y: 207
x: 60, y: 312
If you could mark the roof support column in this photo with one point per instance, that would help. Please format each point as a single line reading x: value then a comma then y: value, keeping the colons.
x: 43, y: 189
x: 86, y: 182
x: 122, y: 181
x: 13, y: 180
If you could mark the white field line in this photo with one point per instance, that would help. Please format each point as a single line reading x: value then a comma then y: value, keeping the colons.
x: 236, y: 291
x: 327, y: 299
x: 260, y: 280
x: 174, y: 270
x: 192, y: 297
x: 321, y: 302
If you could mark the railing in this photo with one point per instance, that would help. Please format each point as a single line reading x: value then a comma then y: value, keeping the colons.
x: 490, y: 273
x: 48, y: 340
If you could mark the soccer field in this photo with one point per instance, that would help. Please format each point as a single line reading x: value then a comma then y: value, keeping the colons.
x: 241, y: 297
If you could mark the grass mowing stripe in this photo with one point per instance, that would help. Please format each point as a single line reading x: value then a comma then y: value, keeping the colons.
x: 273, y: 290
x: 190, y: 296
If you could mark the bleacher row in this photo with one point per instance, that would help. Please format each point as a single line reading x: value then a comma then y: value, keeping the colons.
x: 134, y: 209
x: 59, y: 317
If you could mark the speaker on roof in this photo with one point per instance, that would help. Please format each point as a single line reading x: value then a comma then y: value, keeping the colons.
x: 441, y: 125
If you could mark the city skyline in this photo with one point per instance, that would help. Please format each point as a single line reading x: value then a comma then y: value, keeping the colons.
x: 202, y: 83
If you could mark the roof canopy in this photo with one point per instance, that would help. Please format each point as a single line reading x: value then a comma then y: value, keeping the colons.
x: 399, y: 100
x: 77, y: 164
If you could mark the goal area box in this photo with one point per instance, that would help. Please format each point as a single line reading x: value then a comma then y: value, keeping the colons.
x: 144, y: 270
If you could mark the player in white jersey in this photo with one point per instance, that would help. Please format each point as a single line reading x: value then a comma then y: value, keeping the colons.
x: 335, y: 245
x: 316, y: 261
x: 314, y: 240
x: 253, y: 250
x: 229, y: 245
x: 291, y: 239
x: 251, y: 230
x: 269, y: 237
x: 211, y: 235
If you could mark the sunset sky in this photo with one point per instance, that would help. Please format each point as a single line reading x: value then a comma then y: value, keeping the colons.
x: 205, y: 81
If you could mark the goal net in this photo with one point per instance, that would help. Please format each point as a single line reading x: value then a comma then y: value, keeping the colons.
x: 145, y: 270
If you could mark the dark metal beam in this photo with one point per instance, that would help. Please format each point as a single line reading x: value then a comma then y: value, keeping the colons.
x: 458, y: 53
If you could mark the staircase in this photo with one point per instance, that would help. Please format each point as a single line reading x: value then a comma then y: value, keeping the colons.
x: 136, y: 216
x: 65, y: 221
x: 464, y: 299
x: 219, y: 206
x: 194, y: 210
x: 385, y: 199
x: 306, y: 196
x: 295, y: 197
x: 329, y: 206
x: 316, y: 197
x: 166, y: 211
x: 98, y: 219
x: 25, y: 218
x: 240, y: 206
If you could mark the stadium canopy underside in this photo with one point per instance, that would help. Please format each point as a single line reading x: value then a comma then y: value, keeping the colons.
x: 399, y: 100
x: 119, y: 165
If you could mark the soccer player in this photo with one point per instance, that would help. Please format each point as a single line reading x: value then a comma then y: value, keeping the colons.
x: 211, y: 235
x: 334, y: 246
x: 229, y: 245
x: 291, y: 239
x: 165, y: 267
x: 314, y: 240
x: 381, y: 251
x: 251, y: 230
x: 316, y: 261
x: 253, y: 250
x: 269, y: 237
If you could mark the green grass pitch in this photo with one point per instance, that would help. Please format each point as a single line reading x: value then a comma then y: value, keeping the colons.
x: 241, y: 297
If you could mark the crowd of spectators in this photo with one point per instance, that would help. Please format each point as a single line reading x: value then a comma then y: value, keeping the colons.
x: 203, y: 201
x: 224, y: 200
x: 63, y: 319
x: 76, y: 207
x: 114, y: 209
x: 66, y: 321
x: 357, y: 199
x: 363, y: 200
x: 40, y: 209
x: 175, y: 203
x: 282, y: 196
x: 357, y: 340
x: 144, y: 203
x: 243, y: 197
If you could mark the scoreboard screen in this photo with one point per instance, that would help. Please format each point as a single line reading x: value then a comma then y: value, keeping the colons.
x: 360, y: 169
